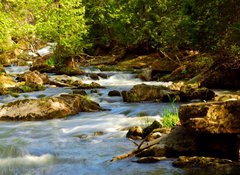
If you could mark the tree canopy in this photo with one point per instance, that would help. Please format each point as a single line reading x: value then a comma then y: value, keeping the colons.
x: 76, y: 25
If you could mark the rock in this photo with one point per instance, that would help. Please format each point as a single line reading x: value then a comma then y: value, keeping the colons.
x: 32, y: 79
x: 102, y: 75
x: 44, y: 78
x: 135, y: 132
x: 47, y: 108
x: 68, y: 71
x: 210, y: 164
x: 150, y: 159
x: 189, y: 93
x: 93, y: 85
x: 80, y: 92
x: 223, y: 75
x: 154, y: 136
x: 227, y: 97
x: 94, y: 76
x: 152, y: 61
x: 97, y: 60
x: 145, y: 75
x: 212, y: 117
x: 98, y: 133
x: 179, y: 142
x: 2, y: 70
x: 145, y: 92
x: 155, y: 125
x: 114, y: 93
x: 6, y: 81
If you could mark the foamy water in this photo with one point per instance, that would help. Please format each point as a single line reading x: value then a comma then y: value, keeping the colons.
x: 84, y: 143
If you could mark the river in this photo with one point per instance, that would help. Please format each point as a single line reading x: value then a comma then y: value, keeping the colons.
x: 84, y: 143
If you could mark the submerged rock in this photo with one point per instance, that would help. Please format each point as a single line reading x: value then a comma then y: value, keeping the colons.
x: 94, y: 76
x: 212, y: 117
x: 47, y: 108
x: 218, y: 166
x: 114, y: 93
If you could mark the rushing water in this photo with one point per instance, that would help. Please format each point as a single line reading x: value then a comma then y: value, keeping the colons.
x: 84, y: 143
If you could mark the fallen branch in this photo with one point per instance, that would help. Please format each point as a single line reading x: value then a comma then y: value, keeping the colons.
x: 138, y: 150
x: 135, y: 143
x: 178, y: 63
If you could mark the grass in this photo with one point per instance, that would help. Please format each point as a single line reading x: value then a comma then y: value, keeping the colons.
x: 170, y: 116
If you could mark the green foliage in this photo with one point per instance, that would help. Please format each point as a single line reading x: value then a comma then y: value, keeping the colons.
x: 16, y: 95
x: 75, y: 25
x: 170, y: 116
x: 63, y: 23
x: 51, y: 61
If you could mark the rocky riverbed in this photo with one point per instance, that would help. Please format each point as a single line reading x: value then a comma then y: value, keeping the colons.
x: 90, y: 116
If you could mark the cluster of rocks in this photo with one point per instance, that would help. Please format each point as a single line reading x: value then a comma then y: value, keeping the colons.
x: 207, y: 138
x: 27, y: 82
x: 145, y: 92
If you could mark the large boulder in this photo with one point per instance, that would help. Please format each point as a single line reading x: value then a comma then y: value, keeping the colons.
x: 223, y: 75
x: 185, y: 142
x: 145, y: 92
x: 47, y: 108
x: 212, y: 117
x: 179, y: 142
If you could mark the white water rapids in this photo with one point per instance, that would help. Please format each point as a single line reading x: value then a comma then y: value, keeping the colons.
x: 73, y: 146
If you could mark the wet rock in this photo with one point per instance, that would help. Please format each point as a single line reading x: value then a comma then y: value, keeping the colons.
x: 154, y: 136
x: 145, y: 92
x: 227, y: 97
x: 80, y: 92
x: 6, y: 81
x: 94, y: 91
x: 44, y: 78
x: 191, y: 93
x: 150, y: 159
x: 102, y: 75
x: 212, y: 117
x: 2, y: 70
x: 135, y: 132
x: 179, y: 142
x: 47, y: 108
x: 222, y: 166
x: 94, y: 76
x: 145, y: 75
x: 92, y: 85
x: 98, y: 133
x: 114, y: 93
x: 68, y: 71
x: 155, y: 125
x: 32, y: 79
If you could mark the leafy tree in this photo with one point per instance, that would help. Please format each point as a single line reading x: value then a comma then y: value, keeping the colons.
x: 63, y: 23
